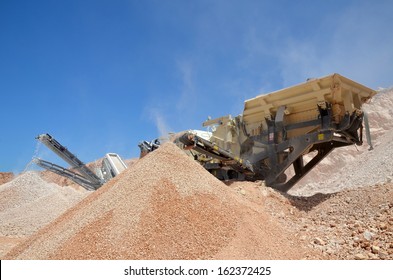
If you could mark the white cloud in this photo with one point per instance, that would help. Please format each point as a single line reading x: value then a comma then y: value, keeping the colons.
x: 355, y: 41
x: 362, y: 44
x: 299, y: 62
x: 358, y: 43
x: 187, y: 97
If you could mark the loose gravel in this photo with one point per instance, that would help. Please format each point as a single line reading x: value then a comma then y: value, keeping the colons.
x: 28, y: 203
x: 165, y: 207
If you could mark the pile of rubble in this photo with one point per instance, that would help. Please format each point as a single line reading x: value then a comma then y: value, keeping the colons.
x: 28, y: 203
x: 165, y: 207
x: 353, y: 224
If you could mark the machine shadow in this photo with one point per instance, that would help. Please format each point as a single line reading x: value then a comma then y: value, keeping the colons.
x: 302, y: 203
x: 307, y: 203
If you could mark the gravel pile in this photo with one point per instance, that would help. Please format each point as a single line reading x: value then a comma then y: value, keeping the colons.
x: 5, y: 177
x: 23, y: 189
x: 51, y: 177
x: 380, y: 111
x: 27, y: 203
x: 166, y: 206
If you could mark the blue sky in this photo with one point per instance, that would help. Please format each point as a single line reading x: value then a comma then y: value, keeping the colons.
x: 100, y: 76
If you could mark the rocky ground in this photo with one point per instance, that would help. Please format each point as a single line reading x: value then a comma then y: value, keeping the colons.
x: 352, y: 224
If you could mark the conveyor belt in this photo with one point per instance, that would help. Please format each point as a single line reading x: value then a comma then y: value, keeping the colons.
x: 70, y: 158
x: 67, y: 173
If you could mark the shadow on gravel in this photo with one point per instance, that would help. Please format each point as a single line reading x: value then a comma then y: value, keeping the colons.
x: 307, y: 203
